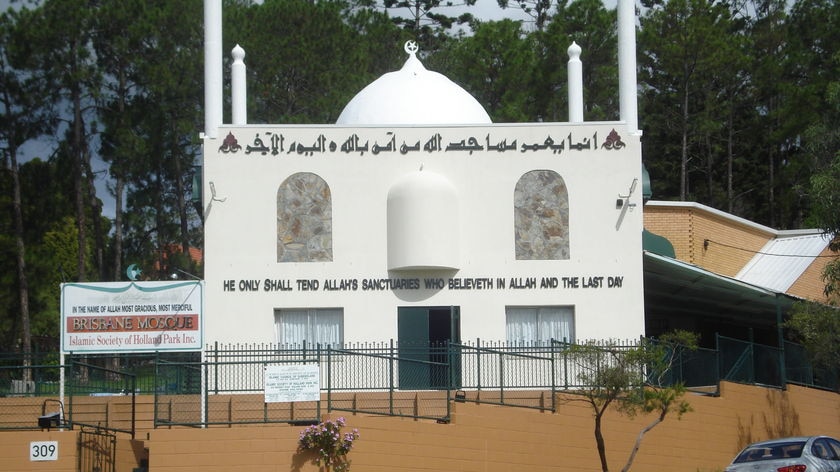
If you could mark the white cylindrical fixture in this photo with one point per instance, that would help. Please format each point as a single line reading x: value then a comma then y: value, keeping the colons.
x: 575, y: 84
x: 423, y: 223
x: 627, y: 91
x: 239, y: 88
x: 212, y: 67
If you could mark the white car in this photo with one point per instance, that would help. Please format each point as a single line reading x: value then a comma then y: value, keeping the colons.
x: 795, y: 454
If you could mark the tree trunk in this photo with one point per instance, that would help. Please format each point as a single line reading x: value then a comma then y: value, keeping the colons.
x: 118, y: 235
x: 599, y: 440
x: 119, y: 185
x: 771, y: 186
x: 78, y: 169
x: 180, y: 191
x: 730, y: 138
x: 96, y: 214
x: 639, y: 438
x: 684, y: 150
x: 20, y: 256
x: 161, y: 241
x: 710, y: 169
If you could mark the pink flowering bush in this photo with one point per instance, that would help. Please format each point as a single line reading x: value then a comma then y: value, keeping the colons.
x: 330, y: 444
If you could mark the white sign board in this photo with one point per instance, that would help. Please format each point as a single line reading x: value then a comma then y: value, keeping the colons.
x: 132, y: 316
x: 43, y: 451
x: 292, y: 383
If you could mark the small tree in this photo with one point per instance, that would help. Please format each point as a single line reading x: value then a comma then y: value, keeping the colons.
x: 632, y: 380
x: 817, y: 327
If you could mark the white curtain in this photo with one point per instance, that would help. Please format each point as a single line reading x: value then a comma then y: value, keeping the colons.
x: 521, y: 325
x: 291, y: 326
x: 314, y: 326
x: 531, y: 325
x: 556, y: 323
x: 327, y: 327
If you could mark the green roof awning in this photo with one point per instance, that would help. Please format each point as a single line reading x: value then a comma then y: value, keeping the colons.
x: 677, y: 289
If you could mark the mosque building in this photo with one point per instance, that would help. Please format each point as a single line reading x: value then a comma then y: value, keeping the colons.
x: 414, y: 218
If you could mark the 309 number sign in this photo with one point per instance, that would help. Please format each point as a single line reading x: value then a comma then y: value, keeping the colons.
x: 43, y: 451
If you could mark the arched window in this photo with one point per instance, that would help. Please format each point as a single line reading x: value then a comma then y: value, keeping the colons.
x: 304, y: 219
x: 541, y: 216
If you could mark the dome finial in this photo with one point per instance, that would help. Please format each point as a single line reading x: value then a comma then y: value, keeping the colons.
x: 411, y: 47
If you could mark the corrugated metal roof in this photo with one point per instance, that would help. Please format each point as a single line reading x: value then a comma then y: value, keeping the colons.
x: 782, y: 261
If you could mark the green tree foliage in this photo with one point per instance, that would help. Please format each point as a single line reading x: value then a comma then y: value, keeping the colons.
x: 166, y: 115
x: 496, y: 65
x: 823, y: 149
x: 53, y: 42
x: 692, y: 63
x: 817, y: 327
x: 24, y: 116
x: 539, y: 10
x: 589, y: 24
x: 305, y: 61
x: 122, y: 35
x: 729, y: 90
x: 429, y: 22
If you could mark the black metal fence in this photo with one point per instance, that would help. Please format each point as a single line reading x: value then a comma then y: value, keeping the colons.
x: 227, y: 385
x: 84, y: 384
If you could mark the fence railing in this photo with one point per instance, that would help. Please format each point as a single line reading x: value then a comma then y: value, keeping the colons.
x: 89, y: 389
x: 227, y: 385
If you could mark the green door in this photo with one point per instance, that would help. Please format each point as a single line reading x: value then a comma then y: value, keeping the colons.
x: 423, y: 347
x: 413, y: 342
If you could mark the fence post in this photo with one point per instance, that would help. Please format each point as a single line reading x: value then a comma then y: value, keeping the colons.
x: 329, y: 381
x: 449, y: 347
x: 206, y: 393
x: 553, y: 378
x: 72, y: 388
x: 391, y: 378
x: 215, y: 368
x: 478, y: 363
x: 501, y: 378
x: 155, y: 390
x: 782, y: 366
x: 133, y: 378
x: 565, y: 364
x: 717, y: 358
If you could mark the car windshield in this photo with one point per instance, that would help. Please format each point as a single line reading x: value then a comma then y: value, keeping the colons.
x: 767, y: 452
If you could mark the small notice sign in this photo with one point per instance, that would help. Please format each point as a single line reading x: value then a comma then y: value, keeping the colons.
x: 292, y: 383
x: 43, y: 451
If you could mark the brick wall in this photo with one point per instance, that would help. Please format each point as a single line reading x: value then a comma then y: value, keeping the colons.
x: 810, y: 284
x: 14, y: 451
x: 481, y: 438
x: 732, y: 243
x: 487, y: 438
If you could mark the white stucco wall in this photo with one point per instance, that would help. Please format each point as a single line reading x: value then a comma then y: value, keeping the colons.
x: 241, y: 226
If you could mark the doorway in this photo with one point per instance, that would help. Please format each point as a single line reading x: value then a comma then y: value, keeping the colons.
x: 427, y: 361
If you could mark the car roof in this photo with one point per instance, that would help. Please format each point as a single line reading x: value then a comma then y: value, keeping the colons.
x: 784, y: 440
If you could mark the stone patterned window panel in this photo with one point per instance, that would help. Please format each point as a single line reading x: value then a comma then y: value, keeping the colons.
x: 541, y: 216
x: 304, y: 219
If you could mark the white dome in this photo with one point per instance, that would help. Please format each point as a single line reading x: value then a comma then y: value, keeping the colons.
x: 413, y: 96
